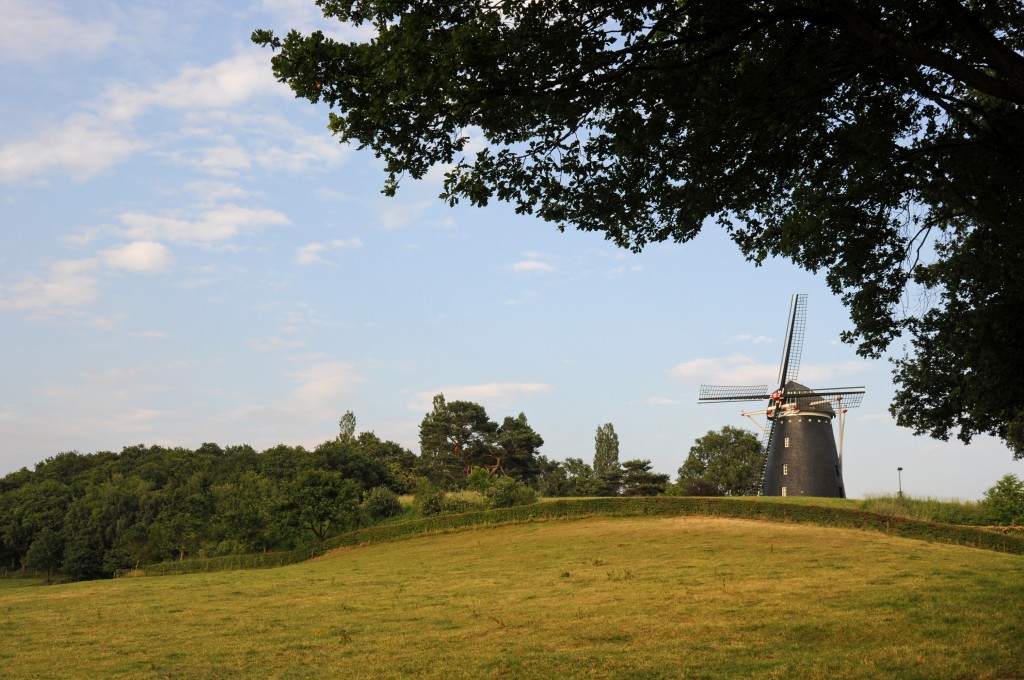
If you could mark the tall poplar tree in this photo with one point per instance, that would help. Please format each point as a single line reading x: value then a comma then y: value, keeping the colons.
x: 606, y: 450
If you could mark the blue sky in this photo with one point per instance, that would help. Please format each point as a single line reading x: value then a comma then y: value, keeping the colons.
x: 186, y: 255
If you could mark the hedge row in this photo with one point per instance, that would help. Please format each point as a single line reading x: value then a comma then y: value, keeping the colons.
x: 618, y: 507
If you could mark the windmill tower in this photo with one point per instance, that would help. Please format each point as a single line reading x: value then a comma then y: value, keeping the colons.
x: 802, y: 459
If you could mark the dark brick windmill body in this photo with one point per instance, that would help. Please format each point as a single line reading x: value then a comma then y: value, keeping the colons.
x: 802, y: 458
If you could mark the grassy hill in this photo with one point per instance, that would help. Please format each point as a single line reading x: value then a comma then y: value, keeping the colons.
x: 602, y: 596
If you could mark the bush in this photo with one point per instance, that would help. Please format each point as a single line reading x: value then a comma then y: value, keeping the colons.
x: 507, y: 492
x: 429, y: 499
x: 927, y: 509
x: 702, y: 487
x: 463, y: 501
x: 479, y: 479
x: 380, y: 503
x: 1004, y: 502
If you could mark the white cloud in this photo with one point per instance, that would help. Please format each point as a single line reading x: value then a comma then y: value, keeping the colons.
x: 322, y: 385
x: 396, y: 215
x: 82, y: 146
x: 33, y: 31
x: 275, y: 343
x: 213, y: 191
x: 139, y: 256
x: 70, y: 284
x: 532, y: 266
x: 661, y: 401
x: 740, y: 369
x: 225, y: 159
x: 754, y: 339
x: 495, y: 394
x: 216, y: 224
x: 310, y: 253
x: 306, y: 150
x: 226, y: 84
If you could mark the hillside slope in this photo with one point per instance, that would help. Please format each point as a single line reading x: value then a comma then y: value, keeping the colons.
x: 602, y: 597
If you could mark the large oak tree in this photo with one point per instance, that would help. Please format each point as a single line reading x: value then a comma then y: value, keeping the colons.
x: 879, y: 142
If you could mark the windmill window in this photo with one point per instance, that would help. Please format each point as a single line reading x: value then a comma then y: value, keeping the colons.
x: 786, y: 443
x: 783, y: 491
x: 785, y: 469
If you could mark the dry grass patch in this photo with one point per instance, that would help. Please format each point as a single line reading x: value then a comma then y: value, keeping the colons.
x: 630, y: 597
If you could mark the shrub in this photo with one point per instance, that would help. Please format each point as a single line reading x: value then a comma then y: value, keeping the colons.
x: 702, y: 487
x: 927, y: 509
x: 507, y: 492
x: 1004, y: 502
x: 463, y: 501
x: 479, y: 479
x: 429, y: 499
x: 380, y: 503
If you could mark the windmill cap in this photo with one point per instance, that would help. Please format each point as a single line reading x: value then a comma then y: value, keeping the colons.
x: 807, y: 400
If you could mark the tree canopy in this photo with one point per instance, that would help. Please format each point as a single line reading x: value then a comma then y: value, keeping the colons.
x: 879, y: 142
x: 727, y: 461
x: 606, y: 449
x: 458, y: 436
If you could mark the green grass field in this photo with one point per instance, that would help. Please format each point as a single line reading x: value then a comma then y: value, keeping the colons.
x: 698, y: 597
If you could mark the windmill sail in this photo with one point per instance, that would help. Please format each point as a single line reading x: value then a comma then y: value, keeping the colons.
x: 710, y: 393
x: 794, y: 348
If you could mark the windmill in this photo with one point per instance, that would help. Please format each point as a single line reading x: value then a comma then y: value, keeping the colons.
x: 801, y: 456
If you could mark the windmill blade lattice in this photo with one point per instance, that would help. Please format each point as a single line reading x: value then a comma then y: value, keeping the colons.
x: 836, y: 397
x: 711, y: 393
x: 794, y: 347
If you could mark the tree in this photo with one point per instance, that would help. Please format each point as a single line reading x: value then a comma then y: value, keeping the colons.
x: 1004, y: 502
x: 380, y: 503
x: 455, y: 437
x: 347, y: 427
x: 731, y: 459
x: 323, y: 501
x: 507, y: 492
x: 552, y: 478
x: 606, y: 449
x: 515, y: 451
x: 581, y: 480
x: 638, y: 480
x: 882, y: 143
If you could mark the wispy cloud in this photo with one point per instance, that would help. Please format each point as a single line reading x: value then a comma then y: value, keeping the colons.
x: 100, y: 134
x: 82, y: 146
x: 139, y: 256
x: 310, y: 253
x: 34, y: 31
x: 217, y: 224
x: 395, y: 215
x: 495, y: 394
x: 322, y: 385
x: 740, y: 369
x: 273, y: 343
x: 747, y: 338
x: 225, y: 84
x: 733, y: 369
x: 531, y: 266
x: 69, y: 284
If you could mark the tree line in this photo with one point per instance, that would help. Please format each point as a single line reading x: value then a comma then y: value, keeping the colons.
x: 91, y: 515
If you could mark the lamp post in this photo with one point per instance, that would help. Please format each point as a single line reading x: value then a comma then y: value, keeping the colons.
x: 899, y: 476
